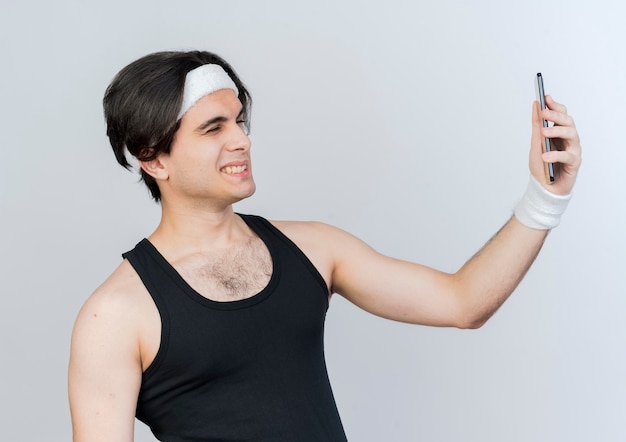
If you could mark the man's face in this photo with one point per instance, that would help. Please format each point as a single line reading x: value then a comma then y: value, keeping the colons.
x: 209, y: 162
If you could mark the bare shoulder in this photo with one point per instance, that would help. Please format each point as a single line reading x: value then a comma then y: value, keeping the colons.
x: 120, y: 308
x: 119, y: 295
x: 325, y: 245
x: 118, y: 324
x: 312, y: 230
x: 319, y: 235
x: 314, y: 236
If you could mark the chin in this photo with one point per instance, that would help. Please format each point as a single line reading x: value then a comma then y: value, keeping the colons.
x: 251, y: 192
x: 247, y: 193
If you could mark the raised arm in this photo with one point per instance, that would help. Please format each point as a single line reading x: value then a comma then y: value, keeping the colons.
x: 413, y: 293
x: 105, y: 368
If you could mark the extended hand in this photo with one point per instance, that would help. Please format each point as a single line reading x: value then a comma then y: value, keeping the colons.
x: 566, y: 153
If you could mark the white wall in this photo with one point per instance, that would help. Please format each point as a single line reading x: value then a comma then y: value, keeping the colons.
x: 406, y: 123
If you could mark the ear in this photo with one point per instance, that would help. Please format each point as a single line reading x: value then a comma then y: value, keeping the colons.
x: 155, y: 168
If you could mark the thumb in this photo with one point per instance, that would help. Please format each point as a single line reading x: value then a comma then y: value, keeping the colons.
x: 536, y: 163
x: 537, y: 123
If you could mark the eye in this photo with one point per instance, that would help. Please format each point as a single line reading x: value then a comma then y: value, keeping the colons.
x: 213, y: 129
x: 243, y: 124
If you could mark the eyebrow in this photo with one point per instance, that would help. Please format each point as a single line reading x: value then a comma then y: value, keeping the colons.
x: 219, y: 119
x: 210, y: 122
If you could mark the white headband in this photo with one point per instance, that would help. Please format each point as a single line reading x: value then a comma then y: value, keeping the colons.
x: 202, y: 81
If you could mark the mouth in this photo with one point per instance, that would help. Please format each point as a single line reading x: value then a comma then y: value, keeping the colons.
x: 234, y: 170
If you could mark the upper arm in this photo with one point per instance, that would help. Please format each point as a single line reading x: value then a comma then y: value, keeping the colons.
x: 393, y: 288
x: 413, y: 293
x: 105, y: 369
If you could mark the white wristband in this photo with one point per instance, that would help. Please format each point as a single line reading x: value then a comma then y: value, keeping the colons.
x: 540, y: 209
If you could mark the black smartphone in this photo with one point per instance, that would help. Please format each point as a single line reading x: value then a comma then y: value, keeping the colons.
x: 542, y: 100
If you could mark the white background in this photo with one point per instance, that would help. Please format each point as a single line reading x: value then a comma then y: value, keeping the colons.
x: 406, y: 123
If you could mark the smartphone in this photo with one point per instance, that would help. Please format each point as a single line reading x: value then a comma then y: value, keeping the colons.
x: 542, y: 100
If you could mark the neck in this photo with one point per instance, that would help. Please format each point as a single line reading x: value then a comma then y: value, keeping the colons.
x: 185, y: 230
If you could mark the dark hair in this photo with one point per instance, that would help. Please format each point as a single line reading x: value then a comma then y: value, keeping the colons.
x: 142, y: 102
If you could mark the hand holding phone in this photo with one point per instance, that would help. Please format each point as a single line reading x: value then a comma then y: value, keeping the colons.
x: 542, y: 101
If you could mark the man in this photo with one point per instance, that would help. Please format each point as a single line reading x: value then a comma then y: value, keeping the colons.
x: 212, y: 327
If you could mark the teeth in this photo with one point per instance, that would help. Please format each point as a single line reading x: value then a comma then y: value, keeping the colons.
x: 234, y: 169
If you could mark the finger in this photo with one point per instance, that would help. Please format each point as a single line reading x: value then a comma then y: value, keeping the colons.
x: 557, y: 118
x: 536, y: 115
x: 567, y: 133
x: 535, y: 111
x: 564, y: 157
x: 536, y: 128
x: 554, y: 105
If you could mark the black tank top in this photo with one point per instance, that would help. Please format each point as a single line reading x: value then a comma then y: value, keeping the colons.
x: 247, y: 370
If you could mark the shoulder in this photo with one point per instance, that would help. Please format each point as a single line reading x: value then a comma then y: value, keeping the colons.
x: 119, y: 302
x: 314, y: 230
x: 319, y: 235
x: 329, y: 248
x: 313, y: 235
x: 120, y: 290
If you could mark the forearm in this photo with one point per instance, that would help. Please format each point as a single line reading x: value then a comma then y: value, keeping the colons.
x: 490, y: 276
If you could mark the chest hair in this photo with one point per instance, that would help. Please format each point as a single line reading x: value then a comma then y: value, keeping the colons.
x: 229, y: 274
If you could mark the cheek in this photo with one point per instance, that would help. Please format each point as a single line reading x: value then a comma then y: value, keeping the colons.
x: 194, y: 163
x: 194, y: 172
x: 196, y: 159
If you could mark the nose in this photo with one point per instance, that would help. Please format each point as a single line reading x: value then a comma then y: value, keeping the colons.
x: 239, y: 139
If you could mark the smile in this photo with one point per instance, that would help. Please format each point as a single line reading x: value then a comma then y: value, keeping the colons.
x: 234, y: 169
